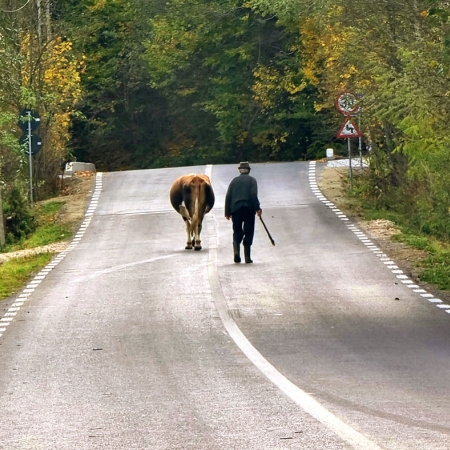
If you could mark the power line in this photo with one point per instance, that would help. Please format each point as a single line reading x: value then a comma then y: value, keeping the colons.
x: 18, y: 9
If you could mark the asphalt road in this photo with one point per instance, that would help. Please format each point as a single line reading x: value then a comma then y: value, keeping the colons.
x: 128, y: 341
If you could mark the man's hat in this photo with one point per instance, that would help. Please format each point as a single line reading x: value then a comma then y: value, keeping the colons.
x: 244, y: 165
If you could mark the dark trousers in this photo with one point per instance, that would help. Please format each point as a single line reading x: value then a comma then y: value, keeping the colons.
x: 243, y: 225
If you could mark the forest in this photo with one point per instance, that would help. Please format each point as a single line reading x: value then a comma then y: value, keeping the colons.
x: 134, y: 84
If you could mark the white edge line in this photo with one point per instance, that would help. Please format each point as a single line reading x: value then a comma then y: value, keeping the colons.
x: 363, y: 238
x: 29, y: 289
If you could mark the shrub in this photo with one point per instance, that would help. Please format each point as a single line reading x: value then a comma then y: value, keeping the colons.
x: 20, y: 219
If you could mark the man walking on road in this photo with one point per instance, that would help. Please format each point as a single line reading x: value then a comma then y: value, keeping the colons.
x: 241, y: 204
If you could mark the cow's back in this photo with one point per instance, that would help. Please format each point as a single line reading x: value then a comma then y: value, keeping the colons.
x: 188, y: 189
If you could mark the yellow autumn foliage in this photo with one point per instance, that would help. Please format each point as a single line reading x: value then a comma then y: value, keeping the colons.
x: 57, y: 88
x: 267, y: 81
x: 331, y: 56
x: 270, y: 82
x: 99, y: 4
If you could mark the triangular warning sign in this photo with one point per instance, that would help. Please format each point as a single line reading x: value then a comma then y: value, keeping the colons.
x: 348, y: 130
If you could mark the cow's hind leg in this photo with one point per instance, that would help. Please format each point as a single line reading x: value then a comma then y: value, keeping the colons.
x: 189, y: 240
x: 198, y: 242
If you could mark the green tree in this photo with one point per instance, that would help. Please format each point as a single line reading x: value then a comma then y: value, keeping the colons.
x: 232, y: 68
x: 39, y: 71
x: 396, y: 54
x: 122, y: 121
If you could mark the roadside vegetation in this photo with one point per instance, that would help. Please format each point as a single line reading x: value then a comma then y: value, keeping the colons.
x: 55, y: 220
x: 16, y: 272
x: 434, y: 267
x: 46, y: 230
x: 49, y: 228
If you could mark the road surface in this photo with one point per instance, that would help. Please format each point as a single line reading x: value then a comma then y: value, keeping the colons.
x: 128, y: 341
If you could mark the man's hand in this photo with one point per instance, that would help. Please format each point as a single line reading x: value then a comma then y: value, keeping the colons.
x: 227, y: 217
x: 259, y: 212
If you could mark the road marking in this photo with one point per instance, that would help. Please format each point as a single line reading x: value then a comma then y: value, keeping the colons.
x: 300, y: 397
x: 368, y: 243
x: 119, y: 267
x: 30, y: 288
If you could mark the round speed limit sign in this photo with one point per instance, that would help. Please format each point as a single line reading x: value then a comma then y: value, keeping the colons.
x: 346, y: 103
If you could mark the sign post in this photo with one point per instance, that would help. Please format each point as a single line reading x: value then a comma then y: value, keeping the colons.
x: 350, y: 168
x: 30, y: 159
x: 29, y: 121
x: 359, y: 96
x: 2, y: 227
x: 347, y: 103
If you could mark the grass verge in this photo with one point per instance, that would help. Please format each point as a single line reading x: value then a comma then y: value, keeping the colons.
x: 57, y: 220
x: 434, y: 268
x: 48, y: 229
x: 15, y: 272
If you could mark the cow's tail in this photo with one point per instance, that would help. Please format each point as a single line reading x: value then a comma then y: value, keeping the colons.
x: 199, y: 200
x: 195, y: 217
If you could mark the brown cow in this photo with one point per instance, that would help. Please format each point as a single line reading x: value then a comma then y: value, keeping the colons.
x: 192, y: 196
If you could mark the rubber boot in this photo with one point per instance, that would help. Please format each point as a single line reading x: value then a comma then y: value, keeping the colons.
x: 248, y: 260
x: 236, y: 250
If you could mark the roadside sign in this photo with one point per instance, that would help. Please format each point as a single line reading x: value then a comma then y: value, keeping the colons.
x: 29, y: 121
x: 36, y: 144
x: 346, y: 103
x: 348, y: 130
x: 28, y: 115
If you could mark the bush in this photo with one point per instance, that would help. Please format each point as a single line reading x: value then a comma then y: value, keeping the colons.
x: 20, y: 219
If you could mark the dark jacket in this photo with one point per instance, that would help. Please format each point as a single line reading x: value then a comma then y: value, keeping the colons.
x: 242, y: 191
